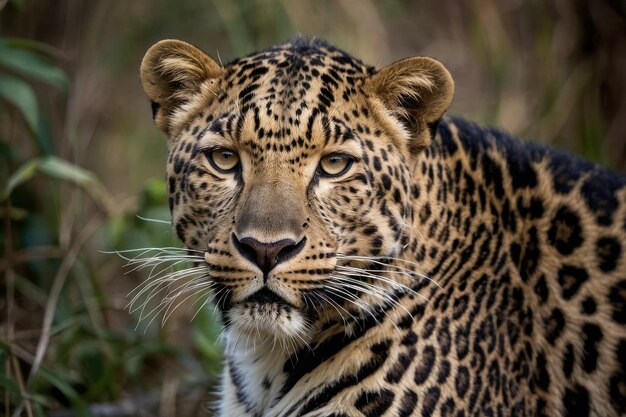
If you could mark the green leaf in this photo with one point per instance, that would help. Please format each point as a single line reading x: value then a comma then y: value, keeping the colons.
x: 41, y: 400
x: 39, y: 47
x: 9, y: 385
x: 30, y: 63
x: 63, y: 170
x: 18, y: 93
x: 23, y: 174
x: 53, y: 378
x: 39, y: 411
x: 43, y: 136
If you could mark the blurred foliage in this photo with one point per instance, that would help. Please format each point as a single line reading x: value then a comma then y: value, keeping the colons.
x: 81, y: 165
x: 56, y: 216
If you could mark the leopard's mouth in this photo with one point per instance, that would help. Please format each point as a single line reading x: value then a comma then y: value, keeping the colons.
x: 265, y: 296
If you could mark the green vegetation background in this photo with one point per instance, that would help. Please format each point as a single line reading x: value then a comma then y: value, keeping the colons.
x: 81, y: 165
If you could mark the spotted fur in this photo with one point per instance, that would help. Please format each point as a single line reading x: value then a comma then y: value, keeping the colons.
x: 451, y: 270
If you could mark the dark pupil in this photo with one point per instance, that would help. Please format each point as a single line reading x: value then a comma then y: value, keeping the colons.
x: 335, y: 160
x: 226, y: 155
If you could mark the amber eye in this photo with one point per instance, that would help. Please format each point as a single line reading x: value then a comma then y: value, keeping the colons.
x: 335, y: 164
x: 224, y: 160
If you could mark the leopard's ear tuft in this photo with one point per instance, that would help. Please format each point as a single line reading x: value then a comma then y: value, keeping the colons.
x: 417, y: 91
x: 172, y: 73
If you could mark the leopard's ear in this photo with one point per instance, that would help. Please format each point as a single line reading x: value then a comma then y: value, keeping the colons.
x: 173, y: 73
x: 417, y: 91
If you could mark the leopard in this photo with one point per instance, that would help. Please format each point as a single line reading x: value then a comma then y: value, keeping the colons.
x: 370, y: 254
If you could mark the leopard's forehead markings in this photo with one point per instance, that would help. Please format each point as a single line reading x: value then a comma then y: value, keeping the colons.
x: 299, y: 57
x: 282, y: 94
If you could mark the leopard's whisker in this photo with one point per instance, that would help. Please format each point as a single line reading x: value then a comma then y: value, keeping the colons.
x: 163, y: 277
x: 166, y: 303
x: 406, y: 273
x: 194, y: 290
x: 365, y: 307
x: 361, y: 273
x: 141, y: 261
x: 218, y: 300
x: 142, y: 307
x: 152, y: 287
x: 155, y: 284
x: 191, y: 285
x: 340, y: 290
x: 149, y: 220
x: 155, y: 273
x: 361, y: 286
x: 384, y: 297
x: 412, y: 228
x: 209, y: 296
x: 378, y: 260
x: 380, y: 292
x: 154, y: 263
x: 336, y: 306
x: 155, y: 252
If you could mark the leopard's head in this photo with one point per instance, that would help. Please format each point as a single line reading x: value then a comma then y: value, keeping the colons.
x: 290, y: 169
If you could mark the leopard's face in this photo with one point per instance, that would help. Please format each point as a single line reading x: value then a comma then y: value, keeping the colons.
x: 288, y: 169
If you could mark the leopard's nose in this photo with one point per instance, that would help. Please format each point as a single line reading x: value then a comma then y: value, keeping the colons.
x: 266, y: 255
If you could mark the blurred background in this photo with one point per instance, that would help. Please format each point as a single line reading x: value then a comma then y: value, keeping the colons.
x: 82, y: 166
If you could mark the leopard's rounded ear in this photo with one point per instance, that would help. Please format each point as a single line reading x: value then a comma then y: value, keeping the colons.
x: 174, y: 72
x: 417, y: 91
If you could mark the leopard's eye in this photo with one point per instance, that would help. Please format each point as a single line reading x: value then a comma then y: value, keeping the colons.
x: 224, y: 160
x: 335, y: 164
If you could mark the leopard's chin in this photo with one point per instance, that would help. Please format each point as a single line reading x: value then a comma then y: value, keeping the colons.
x: 262, y: 323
